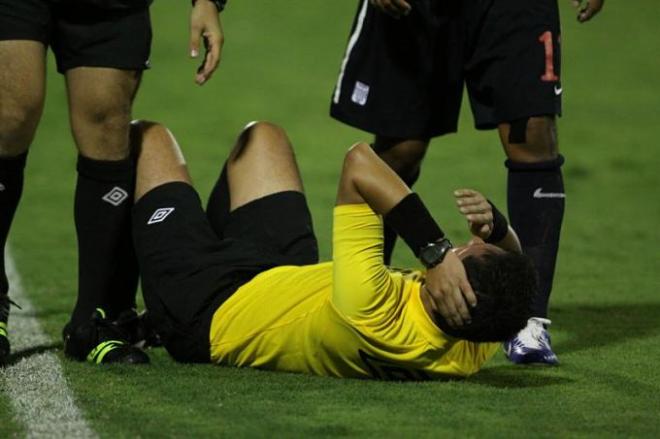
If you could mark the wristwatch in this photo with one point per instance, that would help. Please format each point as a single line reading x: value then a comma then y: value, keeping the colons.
x: 434, y: 253
x: 220, y: 4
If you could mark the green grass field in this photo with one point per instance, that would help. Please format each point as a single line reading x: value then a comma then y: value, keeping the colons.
x: 280, y: 63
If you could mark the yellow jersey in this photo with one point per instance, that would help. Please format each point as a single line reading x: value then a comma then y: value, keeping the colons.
x: 353, y: 317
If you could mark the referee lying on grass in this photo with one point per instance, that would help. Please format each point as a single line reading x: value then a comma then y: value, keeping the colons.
x: 240, y: 285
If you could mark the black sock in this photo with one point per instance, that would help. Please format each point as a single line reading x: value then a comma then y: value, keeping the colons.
x: 536, y: 209
x: 11, y: 188
x: 107, y: 266
x: 389, y: 235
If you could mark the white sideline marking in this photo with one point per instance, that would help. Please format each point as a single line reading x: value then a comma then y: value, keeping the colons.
x: 35, y: 386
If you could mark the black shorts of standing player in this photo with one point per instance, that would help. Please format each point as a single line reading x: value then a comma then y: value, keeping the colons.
x: 82, y: 33
x: 192, y: 261
x: 512, y: 61
x: 403, y: 78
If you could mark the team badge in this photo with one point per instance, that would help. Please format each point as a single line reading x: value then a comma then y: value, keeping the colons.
x: 360, y: 93
x: 116, y: 196
x: 159, y: 215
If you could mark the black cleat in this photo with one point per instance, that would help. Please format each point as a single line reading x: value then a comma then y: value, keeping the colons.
x: 100, y: 341
x: 4, y: 344
x: 5, y: 347
x: 138, y: 329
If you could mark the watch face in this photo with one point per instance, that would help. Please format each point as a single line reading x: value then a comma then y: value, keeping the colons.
x: 434, y: 253
x: 431, y: 254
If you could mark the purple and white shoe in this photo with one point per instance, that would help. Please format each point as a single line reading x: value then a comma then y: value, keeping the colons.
x: 531, y: 344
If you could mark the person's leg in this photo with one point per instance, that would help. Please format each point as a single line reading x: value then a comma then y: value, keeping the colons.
x: 257, y: 146
x: 182, y: 263
x: 159, y: 158
x: 100, y: 102
x: 405, y: 157
x: 100, y: 111
x: 97, y: 339
x: 262, y: 163
x: 536, y: 198
x: 22, y: 88
x: 187, y: 270
x: 102, y: 53
x: 536, y: 210
x: 513, y: 76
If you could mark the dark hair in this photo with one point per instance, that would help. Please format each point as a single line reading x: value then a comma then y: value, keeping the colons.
x: 505, y: 285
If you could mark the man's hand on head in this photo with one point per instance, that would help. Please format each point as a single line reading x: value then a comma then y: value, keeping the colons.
x: 205, y: 27
x: 393, y: 8
x: 587, y: 9
x: 450, y: 290
x: 477, y: 211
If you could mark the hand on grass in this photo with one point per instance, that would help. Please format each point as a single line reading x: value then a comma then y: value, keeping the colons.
x: 205, y: 26
x: 476, y: 209
x: 393, y: 8
x: 587, y: 9
x: 448, y: 285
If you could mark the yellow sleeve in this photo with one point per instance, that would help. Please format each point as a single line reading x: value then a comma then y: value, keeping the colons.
x: 362, y: 284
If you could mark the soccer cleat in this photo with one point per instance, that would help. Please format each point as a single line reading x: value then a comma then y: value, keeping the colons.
x: 4, y: 340
x: 138, y: 329
x: 531, y: 344
x: 5, y: 347
x: 4, y: 344
x: 100, y: 341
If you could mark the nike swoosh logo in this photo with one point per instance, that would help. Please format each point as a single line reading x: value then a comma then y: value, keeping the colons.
x: 558, y: 90
x: 538, y: 193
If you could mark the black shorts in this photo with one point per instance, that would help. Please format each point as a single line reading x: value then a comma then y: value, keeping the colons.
x: 404, y: 78
x: 512, y: 59
x: 80, y: 34
x: 188, y: 271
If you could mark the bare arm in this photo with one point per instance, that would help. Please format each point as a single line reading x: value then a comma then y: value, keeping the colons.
x: 479, y: 214
x: 367, y: 179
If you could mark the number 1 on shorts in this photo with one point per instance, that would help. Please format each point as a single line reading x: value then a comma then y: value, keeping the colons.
x: 549, y: 75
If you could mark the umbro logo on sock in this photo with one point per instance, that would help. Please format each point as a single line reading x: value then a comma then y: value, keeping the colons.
x: 538, y: 193
x: 159, y: 215
x: 116, y: 196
